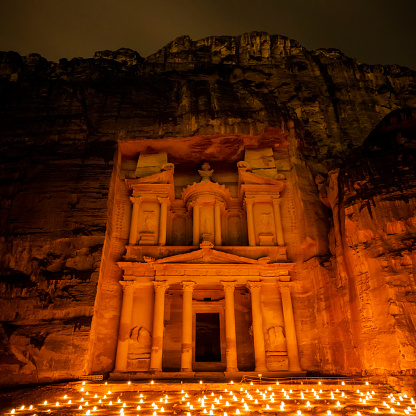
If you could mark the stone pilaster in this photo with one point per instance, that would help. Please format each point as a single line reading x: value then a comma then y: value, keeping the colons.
x: 134, y: 220
x: 230, y: 335
x: 186, y: 357
x: 278, y: 222
x: 291, y: 339
x: 250, y: 222
x: 217, y: 223
x: 163, y: 220
x: 158, y: 327
x: 258, y: 334
x: 196, y: 224
x: 125, y: 325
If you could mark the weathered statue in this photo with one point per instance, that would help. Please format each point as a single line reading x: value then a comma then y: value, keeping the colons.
x: 277, y: 340
x: 265, y: 222
x: 150, y: 221
x: 140, y: 344
x: 141, y: 336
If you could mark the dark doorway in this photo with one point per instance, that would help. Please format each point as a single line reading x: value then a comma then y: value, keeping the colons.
x: 207, y: 338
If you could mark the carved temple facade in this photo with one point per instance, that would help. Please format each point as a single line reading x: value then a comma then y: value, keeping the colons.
x: 206, y: 279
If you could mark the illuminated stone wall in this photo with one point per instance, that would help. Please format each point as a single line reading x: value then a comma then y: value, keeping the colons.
x: 350, y: 235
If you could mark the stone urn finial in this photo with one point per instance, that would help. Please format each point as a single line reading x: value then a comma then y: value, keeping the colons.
x: 205, y: 173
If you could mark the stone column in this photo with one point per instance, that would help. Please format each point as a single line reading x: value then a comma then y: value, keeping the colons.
x: 163, y: 220
x: 291, y: 340
x: 250, y: 222
x: 125, y: 325
x: 217, y: 223
x: 259, y: 349
x: 134, y: 220
x: 278, y: 222
x: 157, y: 333
x: 230, y: 335
x: 186, y: 358
x: 196, y: 224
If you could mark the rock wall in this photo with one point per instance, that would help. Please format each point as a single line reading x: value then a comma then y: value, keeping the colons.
x: 59, y: 125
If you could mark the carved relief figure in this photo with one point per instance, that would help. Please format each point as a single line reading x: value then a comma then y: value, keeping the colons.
x: 207, y: 225
x: 140, y: 343
x: 277, y: 340
x: 149, y: 221
x: 265, y: 222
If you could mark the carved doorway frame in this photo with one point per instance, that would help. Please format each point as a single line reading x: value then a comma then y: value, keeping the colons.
x: 209, y: 307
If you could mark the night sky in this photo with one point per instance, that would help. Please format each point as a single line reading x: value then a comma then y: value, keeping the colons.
x: 372, y: 31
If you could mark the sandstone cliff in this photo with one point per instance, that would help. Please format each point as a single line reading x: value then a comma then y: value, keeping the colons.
x: 59, y: 125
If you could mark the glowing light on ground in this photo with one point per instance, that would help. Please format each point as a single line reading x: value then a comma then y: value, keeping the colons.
x: 145, y: 399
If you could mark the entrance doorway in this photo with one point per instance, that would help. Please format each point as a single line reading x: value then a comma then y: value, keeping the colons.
x: 207, y: 338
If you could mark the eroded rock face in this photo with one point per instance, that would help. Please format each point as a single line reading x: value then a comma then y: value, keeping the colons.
x: 59, y: 125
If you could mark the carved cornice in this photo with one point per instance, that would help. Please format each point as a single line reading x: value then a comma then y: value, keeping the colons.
x: 151, y: 190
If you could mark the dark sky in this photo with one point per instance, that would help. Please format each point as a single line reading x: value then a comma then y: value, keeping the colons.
x: 372, y: 31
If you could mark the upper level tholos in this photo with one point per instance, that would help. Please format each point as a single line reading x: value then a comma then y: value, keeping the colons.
x: 235, y: 206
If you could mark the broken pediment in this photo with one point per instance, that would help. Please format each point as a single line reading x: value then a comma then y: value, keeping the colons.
x: 149, y: 164
x: 252, y: 178
x: 163, y: 177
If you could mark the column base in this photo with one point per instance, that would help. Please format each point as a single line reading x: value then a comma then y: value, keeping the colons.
x: 232, y: 372
x: 261, y: 370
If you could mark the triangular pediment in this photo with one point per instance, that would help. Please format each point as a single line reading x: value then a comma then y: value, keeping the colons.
x: 207, y: 255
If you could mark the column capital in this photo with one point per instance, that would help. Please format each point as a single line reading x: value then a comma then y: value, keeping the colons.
x: 135, y: 199
x: 249, y: 200
x: 160, y: 285
x: 219, y: 203
x: 284, y: 287
x: 188, y: 286
x: 276, y: 199
x: 127, y: 284
x: 229, y: 285
x: 163, y: 199
x: 254, y: 286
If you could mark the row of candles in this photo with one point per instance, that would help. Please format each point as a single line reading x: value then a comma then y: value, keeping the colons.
x: 230, y: 401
